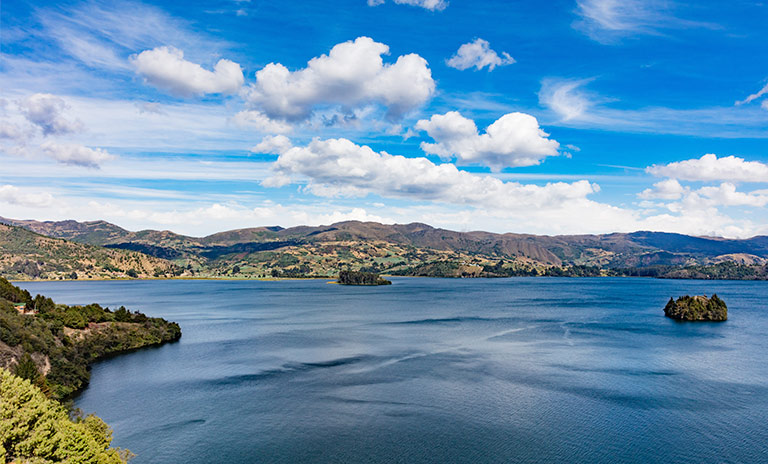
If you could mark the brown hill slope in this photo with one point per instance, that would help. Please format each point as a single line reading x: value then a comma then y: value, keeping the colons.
x: 25, y: 254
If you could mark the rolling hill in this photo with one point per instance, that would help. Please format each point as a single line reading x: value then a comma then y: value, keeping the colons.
x: 28, y: 255
x: 413, y: 249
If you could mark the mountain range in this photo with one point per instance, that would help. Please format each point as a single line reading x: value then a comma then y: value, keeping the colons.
x: 408, y: 249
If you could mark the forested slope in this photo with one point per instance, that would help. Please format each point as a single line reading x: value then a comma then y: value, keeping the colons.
x: 54, y: 346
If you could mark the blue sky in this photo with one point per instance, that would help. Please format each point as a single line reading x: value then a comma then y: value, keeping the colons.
x: 562, y: 117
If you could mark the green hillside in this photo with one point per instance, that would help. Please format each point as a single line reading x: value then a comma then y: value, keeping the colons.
x: 52, y: 344
x: 28, y: 255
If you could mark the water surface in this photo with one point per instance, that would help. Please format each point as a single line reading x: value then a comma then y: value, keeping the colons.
x: 435, y: 370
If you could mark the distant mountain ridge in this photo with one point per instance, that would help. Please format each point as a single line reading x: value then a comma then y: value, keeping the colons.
x: 541, y: 247
x: 310, y: 250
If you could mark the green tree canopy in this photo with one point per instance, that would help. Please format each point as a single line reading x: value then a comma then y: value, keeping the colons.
x: 37, y: 430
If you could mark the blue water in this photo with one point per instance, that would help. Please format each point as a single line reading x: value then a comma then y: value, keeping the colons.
x: 431, y: 370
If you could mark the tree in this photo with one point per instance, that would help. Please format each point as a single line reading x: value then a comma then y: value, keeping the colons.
x: 123, y: 315
x: 36, y: 429
x: 43, y: 304
x: 26, y: 368
x: 347, y: 277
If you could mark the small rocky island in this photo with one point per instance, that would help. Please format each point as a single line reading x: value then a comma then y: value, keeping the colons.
x: 697, y: 308
x: 361, y: 278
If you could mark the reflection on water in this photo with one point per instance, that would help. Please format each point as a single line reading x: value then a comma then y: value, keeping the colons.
x: 431, y: 370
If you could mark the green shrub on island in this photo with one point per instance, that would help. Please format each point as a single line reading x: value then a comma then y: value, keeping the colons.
x: 697, y: 308
x: 35, y: 429
x: 54, y: 346
x: 361, y: 278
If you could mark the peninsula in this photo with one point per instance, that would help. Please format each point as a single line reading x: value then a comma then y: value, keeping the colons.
x: 45, y: 353
x: 52, y: 344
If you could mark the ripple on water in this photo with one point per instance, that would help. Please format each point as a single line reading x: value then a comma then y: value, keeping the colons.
x: 429, y: 370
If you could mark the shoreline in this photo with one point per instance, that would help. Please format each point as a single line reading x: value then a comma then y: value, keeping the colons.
x: 106, y: 357
x: 333, y: 279
x: 265, y: 279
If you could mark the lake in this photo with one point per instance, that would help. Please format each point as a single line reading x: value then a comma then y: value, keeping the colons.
x: 435, y: 370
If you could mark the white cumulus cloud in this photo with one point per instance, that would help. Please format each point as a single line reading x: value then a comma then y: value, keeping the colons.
x: 273, y: 144
x: 13, y: 195
x: 9, y: 130
x: 726, y: 194
x: 166, y: 68
x: 514, y: 139
x: 75, y: 154
x: 261, y: 122
x: 47, y: 112
x: 669, y: 189
x: 339, y: 167
x: 711, y: 168
x: 479, y: 55
x: 352, y: 75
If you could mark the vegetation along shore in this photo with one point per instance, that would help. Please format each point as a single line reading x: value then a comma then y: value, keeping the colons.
x: 52, y: 344
x: 45, y: 353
